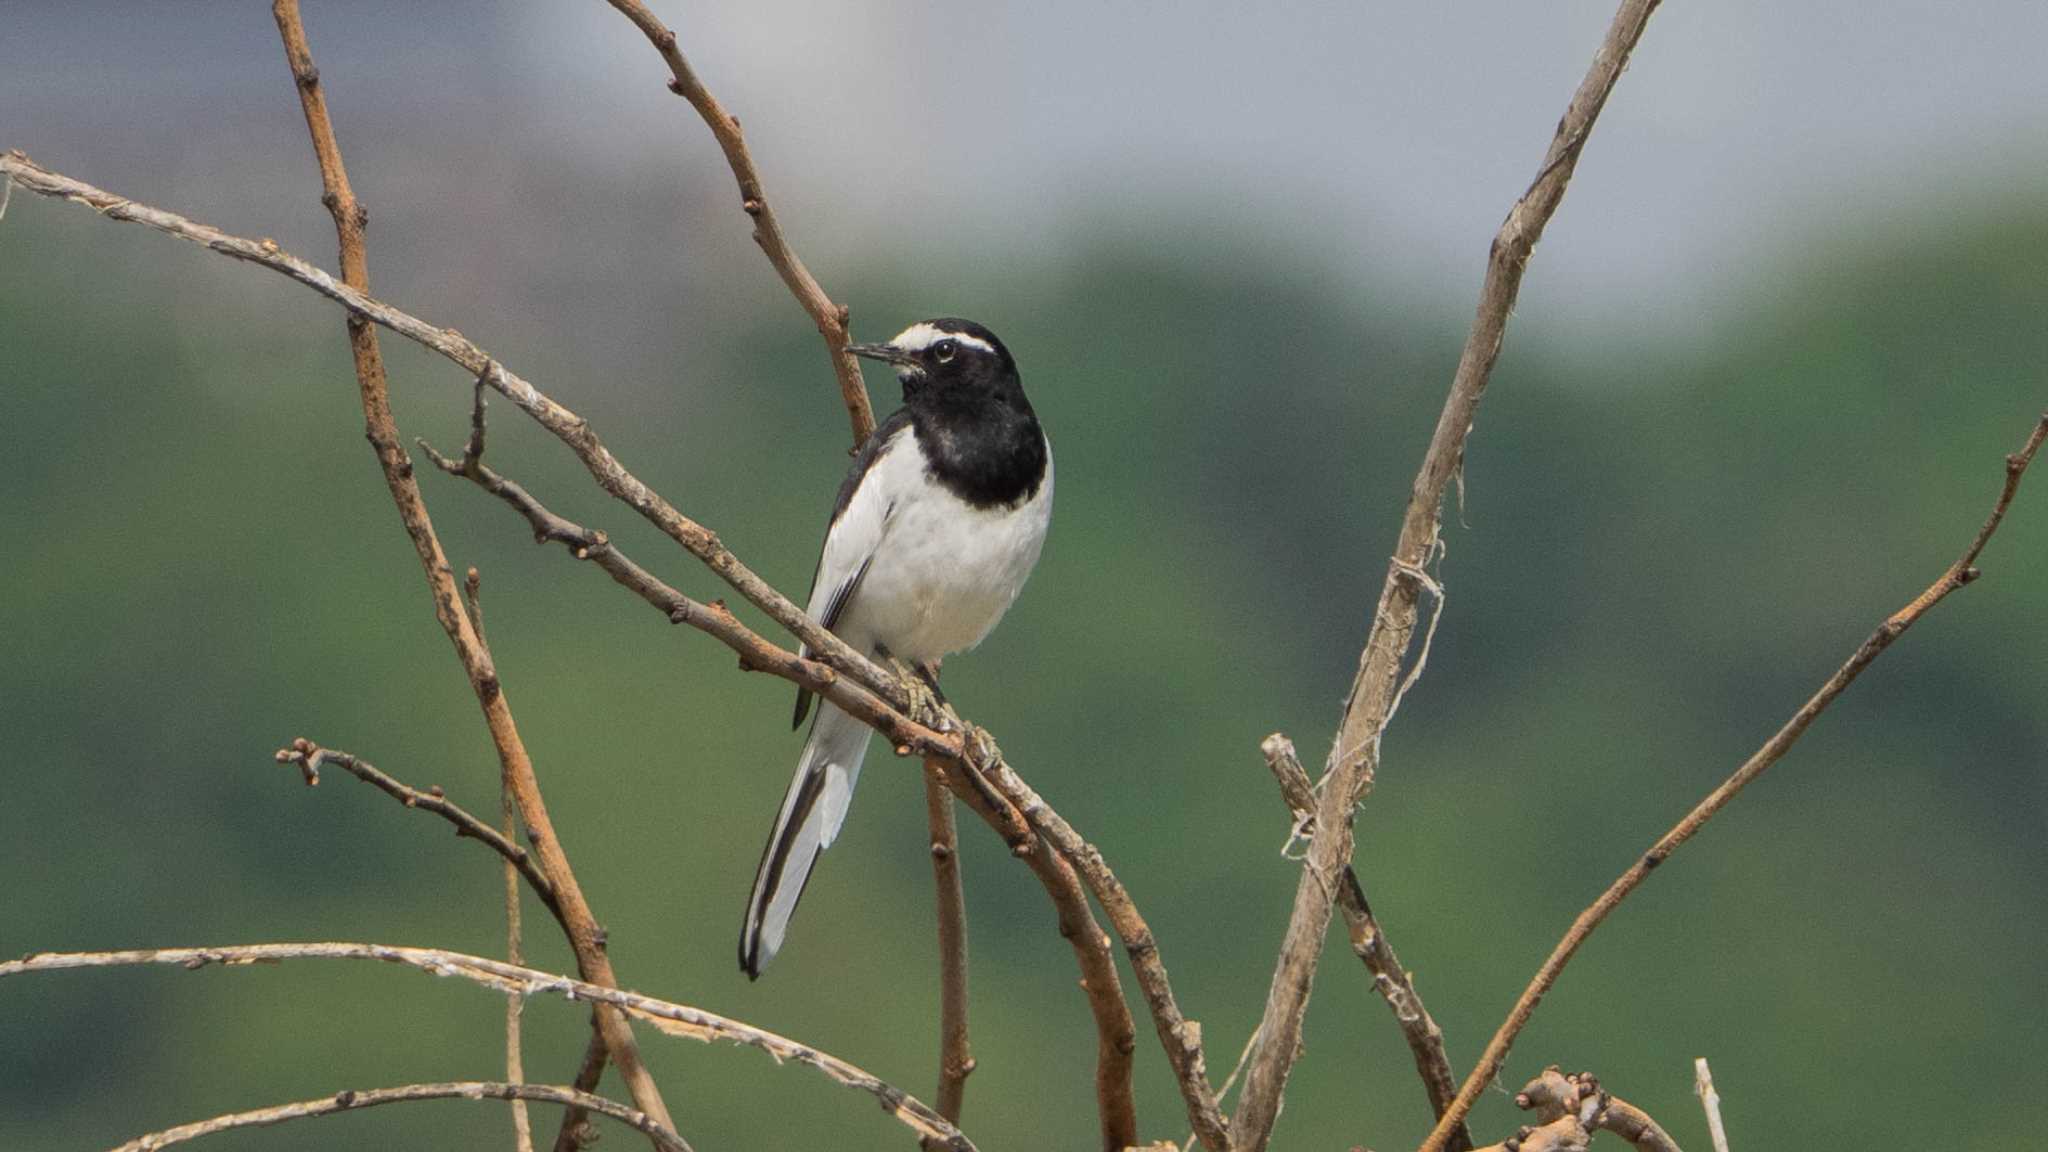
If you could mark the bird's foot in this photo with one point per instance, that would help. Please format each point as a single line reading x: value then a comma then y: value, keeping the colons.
x: 925, y: 705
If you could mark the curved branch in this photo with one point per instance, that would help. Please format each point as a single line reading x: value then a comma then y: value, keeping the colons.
x: 1370, y: 705
x: 1179, y: 1036
x: 564, y: 424
x: 832, y: 319
x: 1958, y: 574
x: 664, y: 1137
x: 586, y: 938
x: 310, y: 757
x: 668, y: 1016
x: 1115, y: 1037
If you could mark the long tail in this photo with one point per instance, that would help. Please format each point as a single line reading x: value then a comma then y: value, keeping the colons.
x: 811, y: 814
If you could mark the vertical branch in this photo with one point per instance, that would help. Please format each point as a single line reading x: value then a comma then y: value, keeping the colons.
x: 585, y: 937
x: 577, y: 1131
x: 833, y: 320
x: 1710, y: 1101
x: 956, y: 1056
x: 1368, y: 707
x: 515, y: 1061
x: 508, y: 827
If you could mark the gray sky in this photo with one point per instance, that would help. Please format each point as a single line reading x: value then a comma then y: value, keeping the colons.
x: 1388, y: 137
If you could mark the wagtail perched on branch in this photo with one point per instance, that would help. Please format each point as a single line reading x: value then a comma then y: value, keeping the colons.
x: 937, y: 526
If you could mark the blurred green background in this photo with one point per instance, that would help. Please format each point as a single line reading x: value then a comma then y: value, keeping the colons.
x: 1668, y: 542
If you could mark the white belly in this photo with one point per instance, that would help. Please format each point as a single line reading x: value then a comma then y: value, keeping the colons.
x: 947, y: 572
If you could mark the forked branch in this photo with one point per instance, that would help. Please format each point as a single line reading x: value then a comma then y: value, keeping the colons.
x: 849, y: 679
x: 1394, y: 983
x: 1355, y: 755
x: 585, y: 937
x: 1958, y: 574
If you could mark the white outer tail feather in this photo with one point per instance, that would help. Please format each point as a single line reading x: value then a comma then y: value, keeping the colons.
x: 833, y: 753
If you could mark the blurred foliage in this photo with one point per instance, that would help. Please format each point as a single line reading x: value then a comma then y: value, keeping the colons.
x: 1658, y: 557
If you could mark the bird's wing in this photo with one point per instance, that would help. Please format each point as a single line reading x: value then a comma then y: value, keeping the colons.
x: 860, y: 519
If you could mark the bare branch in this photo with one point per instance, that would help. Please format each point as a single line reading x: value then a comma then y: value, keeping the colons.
x: 1115, y: 1036
x: 1181, y: 1037
x: 576, y: 1131
x: 310, y: 758
x: 515, y: 947
x: 564, y: 424
x: 585, y: 937
x: 1710, y: 1102
x: 663, y: 1137
x: 956, y: 1054
x: 1958, y: 574
x: 671, y: 1018
x: 1355, y: 755
x: 831, y: 319
x: 878, y: 707
x: 1369, y: 943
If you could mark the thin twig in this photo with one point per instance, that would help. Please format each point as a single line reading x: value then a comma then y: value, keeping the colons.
x: 835, y: 671
x: 1710, y: 1102
x: 956, y: 1054
x: 671, y: 1018
x: 832, y: 319
x: 1394, y: 983
x: 585, y: 937
x: 310, y: 758
x: 1354, y: 756
x: 1958, y: 574
x: 1244, y: 1056
x: 515, y: 953
x: 663, y: 1137
x: 508, y: 820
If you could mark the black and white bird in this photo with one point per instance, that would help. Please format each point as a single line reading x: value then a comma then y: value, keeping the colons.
x: 938, y: 524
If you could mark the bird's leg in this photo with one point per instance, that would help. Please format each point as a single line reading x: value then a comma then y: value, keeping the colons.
x: 928, y: 671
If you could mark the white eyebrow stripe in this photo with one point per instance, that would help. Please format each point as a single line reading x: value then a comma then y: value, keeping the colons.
x: 919, y: 337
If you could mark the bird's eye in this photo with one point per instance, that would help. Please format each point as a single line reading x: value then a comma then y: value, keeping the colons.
x: 944, y: 350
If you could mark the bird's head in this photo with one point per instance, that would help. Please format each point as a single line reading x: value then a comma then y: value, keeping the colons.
x: 947, y: 356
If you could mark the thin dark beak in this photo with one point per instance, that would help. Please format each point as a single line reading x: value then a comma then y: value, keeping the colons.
x: 887, y: 353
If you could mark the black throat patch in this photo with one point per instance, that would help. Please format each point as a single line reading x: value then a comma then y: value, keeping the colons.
x: 988, y: 450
